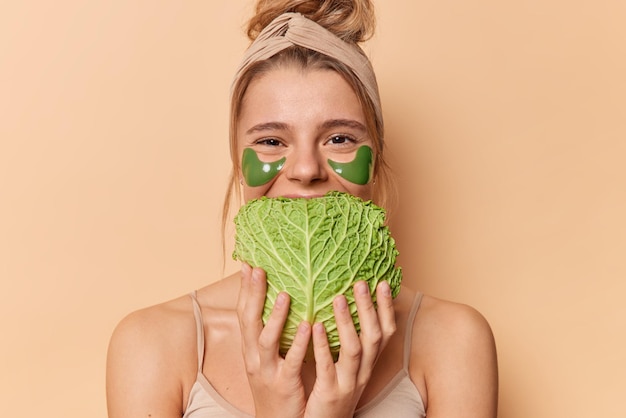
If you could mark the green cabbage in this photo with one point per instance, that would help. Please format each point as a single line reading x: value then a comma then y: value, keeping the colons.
x: 315, y: 249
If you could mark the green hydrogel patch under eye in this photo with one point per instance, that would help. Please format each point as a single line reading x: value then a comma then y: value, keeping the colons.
x: 256, y: 172
x: 359, y: 170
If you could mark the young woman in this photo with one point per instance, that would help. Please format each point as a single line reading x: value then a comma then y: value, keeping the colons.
x: 304, y: 94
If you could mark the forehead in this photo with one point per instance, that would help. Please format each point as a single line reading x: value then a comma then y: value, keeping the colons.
x: 294, y: 95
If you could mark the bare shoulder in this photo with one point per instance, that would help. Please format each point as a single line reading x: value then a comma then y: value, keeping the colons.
x: 443, y: 320
x: 159, y: 328
x: 454, y: 355
x: 151, y: 360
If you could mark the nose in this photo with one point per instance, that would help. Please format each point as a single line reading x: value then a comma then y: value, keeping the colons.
x: 306, y: 166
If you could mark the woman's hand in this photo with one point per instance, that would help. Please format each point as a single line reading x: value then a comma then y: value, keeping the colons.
x: 338, y: 386
x: 276, y: 383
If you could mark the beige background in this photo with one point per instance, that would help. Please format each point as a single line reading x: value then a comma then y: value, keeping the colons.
x: 507, y: 129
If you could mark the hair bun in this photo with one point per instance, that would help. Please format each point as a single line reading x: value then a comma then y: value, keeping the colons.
x: 351, y: 20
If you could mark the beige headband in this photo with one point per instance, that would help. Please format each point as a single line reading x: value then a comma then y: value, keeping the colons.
x: 291, y: 29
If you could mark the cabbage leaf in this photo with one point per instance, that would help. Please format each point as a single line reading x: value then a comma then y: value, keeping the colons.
x: 315, y: 249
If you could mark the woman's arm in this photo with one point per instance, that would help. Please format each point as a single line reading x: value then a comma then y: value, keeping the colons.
x: 144, y: 379
x: 458, y: 356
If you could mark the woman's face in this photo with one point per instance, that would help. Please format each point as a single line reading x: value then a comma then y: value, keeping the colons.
x: 299, y: 120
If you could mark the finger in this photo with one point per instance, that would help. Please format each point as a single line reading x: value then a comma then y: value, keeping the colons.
x: 350, y: 350
x: 246, y: 271
x: 251, y: 307
x: 244, y: 290
x: 297, y: 352
x: 269, y: 339
x: 324, y: 364
x: 371, y: 334
x: 386, y: 311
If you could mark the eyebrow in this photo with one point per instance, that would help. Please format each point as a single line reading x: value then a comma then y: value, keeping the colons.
x: 329, y: 124
x: 344, y: 123
x: 268, y: 126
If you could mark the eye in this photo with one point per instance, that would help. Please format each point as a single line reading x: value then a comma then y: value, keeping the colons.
x: 272, y: 142
x: 341, y: 139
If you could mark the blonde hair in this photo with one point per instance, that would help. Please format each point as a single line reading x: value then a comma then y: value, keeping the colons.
x: 352, y: 21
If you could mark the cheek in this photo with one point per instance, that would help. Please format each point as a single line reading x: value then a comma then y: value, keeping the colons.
x: 250, y: 193
x: 364, y: 192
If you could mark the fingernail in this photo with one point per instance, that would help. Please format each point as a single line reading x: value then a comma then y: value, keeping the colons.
x: 362, y: 288
x: 384, y: 287
x: 245, y: 268
x: 341, y: 303
x: 256, y: 275
x: 319, y: 329
x: 303, y: 328
x: 281, y: 299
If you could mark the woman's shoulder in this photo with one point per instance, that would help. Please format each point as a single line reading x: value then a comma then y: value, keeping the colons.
x: 151, y: 358
x: 442, y: 313
x: 446, y: 327
x: 149, y: 335
x: 156, y: 322
x: 152, y: 355
x: 453, y: 348
x: 443, y: 317
x: 438, y: 322
x: 175, y: 318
